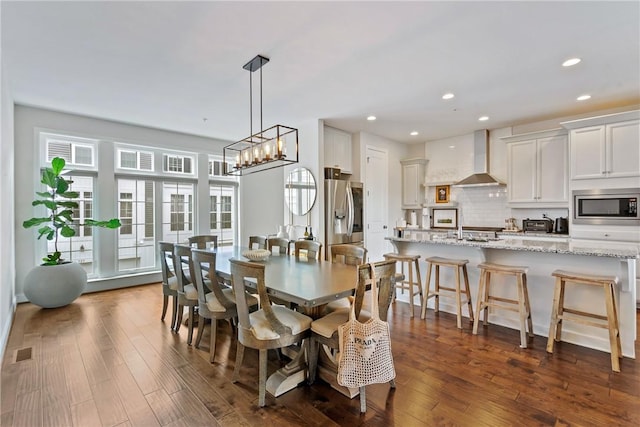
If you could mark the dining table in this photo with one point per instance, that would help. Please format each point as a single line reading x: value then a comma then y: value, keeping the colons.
x: 309, y: 284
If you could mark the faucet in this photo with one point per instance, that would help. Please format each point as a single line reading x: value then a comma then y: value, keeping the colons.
x: 460, y: 224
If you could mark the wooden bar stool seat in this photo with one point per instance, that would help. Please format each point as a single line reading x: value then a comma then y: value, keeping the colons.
x: 486, y: 300
x: 609, y: 321
x: 408, y: 281
x: 460, y: 266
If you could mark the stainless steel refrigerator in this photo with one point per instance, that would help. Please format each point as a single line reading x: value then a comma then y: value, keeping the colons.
x: 343, y: 214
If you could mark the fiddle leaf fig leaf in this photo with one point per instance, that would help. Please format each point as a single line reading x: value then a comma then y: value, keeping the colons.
x: 69, y: 194
x: 57, y: 164
x: 49, y: 178
x: 34, y: 221
x: 68, y: 204
x: 61, y: 186
x: 67, y: 231
x: 44, y: 194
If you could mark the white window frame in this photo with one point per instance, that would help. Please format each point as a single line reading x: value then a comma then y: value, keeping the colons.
x: 181, y: 157
x: 46, y: 138
x: 138, y: 154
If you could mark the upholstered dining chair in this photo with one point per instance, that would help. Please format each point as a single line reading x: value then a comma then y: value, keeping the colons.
x: 204, y: 241
x: 187, y: 293
x: 257, y: 242
x: 324, y: 331
x: 307, y: 248
x: 215, y: 301
x: 270, y: 327
x: 350, y: 255
x: 282, y: 244
x: 169, y: 281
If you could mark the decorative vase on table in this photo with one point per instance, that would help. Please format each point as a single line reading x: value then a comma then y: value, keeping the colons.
x: 282, y: 234
x: 51, y: 286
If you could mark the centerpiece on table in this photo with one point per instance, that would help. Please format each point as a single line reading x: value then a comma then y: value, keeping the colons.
x: 57, y: 282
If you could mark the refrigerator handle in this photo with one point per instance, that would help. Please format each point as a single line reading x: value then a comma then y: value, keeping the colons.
x: 350, y: 211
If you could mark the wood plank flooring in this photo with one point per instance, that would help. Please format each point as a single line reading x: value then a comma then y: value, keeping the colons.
x: 108, y: 360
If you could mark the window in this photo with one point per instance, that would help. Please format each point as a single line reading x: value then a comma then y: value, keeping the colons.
x: 79, y: 248
x: 136, y: 160
x: 177, y: 211
x: 78, y: 152
x: 216, y: 168
x: 136, y: 242
x: 222, y: 212
x: 178, y: 164
x: 126, y: 213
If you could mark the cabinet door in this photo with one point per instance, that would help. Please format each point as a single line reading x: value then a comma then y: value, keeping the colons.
x: 588, y: 153
x: 552, y: 182
x: 623, y: 149
x: 410, y: 186
x: 337, y: 149
x: 522, y: 171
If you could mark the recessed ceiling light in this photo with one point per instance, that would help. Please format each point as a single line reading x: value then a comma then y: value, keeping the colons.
x: 571, y: 61
x: 583, y: 97
x: 371, y: 118
x: 452, y: 146
x: 448, y: 95
x: 483, y: 118
x: 414, y: 133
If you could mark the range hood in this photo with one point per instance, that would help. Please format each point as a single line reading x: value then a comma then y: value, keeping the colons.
x: 481, y: 177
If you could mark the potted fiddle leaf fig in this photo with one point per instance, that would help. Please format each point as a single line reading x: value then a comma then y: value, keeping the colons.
x: 57, y: 282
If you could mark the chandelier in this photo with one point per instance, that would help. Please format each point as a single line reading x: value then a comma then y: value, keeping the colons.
x: 269, y: 148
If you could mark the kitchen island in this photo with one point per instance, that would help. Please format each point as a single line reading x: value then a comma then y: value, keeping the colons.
x: 542, y: 258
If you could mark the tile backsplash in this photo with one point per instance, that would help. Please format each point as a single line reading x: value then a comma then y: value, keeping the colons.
x: 482, y: 206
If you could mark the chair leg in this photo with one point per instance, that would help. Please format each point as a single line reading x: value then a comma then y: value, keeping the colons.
x: 192, y: 319
x: 522, y: 311
x: 200, y: 331
x: 179, y: 318
x: 458, y: 299
x: 427, y: 286
x: 363, y: 400
x: 554, y: 316
x: 419, y: 281
x: 467, y: 291
x: 174, y: 312
x: 165, y: 303
x: 527, y: 305
x: 214, y: 333
x: 613, y: 330
x: 239, y: 358
x: 262, y: 374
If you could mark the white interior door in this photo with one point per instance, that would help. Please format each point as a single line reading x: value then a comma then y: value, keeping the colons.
x: 376, y: 212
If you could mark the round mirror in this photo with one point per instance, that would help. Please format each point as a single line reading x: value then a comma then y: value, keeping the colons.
x: 300, y: 191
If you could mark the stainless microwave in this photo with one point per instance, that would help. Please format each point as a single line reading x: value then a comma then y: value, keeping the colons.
x: 606, y: 207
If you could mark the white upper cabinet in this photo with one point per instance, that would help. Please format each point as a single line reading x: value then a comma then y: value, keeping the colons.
x: 537, y: 169
x: 337, y: 149
x: 605, y: 147
x: 412, y: 183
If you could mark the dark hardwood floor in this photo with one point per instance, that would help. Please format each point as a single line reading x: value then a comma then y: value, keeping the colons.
x: 108, y: 360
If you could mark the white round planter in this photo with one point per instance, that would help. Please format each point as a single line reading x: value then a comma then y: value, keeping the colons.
x: 51, y: 286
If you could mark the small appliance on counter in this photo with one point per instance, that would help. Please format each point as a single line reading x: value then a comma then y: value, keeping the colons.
x: 562, y: 226
x: 544, y: 225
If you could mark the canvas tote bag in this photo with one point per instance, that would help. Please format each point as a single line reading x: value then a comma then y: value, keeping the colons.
x: 365, y: 348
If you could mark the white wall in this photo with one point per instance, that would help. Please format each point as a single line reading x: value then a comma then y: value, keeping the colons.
x: 7, y: 215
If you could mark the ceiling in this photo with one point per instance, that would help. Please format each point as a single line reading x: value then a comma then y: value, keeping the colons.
x: 178, y: 65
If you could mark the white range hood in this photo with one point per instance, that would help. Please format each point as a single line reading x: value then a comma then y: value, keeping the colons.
x: 481, y: 177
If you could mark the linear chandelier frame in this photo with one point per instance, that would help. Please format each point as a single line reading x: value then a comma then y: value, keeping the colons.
x: 269, y: 148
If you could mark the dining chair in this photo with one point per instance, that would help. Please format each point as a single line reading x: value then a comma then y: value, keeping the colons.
x: 310, y: 249
x: 187, y: 292
x: 350, y: 255
x: 204, y: 241
x: 270, y: 327
x: 169, y: 281
x: 282, y: 244
x: 324, y: 331
x: 215, y: 301
x: 257, y: 242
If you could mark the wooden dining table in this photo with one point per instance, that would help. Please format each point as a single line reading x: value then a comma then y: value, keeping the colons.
x: 309, y: 284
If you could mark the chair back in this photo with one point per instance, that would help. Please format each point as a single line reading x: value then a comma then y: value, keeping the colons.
x: 205, y: 278
x: 166, y: 261
x: 183, y: 265
x: 348, y: 254
x: 385, y: 276
x: 240, y: 272
x: 203, y: 241
x: 282, y: 244
x: 257, y: 242
x: 310, y: 248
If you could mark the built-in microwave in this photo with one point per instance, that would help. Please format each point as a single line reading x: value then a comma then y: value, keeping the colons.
x: 606, y: 207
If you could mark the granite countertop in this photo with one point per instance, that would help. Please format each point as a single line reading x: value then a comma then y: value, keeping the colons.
x: 600, y: 249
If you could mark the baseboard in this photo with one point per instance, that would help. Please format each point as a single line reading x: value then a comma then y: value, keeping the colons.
x: 6, y: 329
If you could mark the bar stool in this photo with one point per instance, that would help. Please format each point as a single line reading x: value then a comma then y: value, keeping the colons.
x: 486, y: 300
x: 458, y: 265
x: 558, y: 311
x: 411, y: 261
